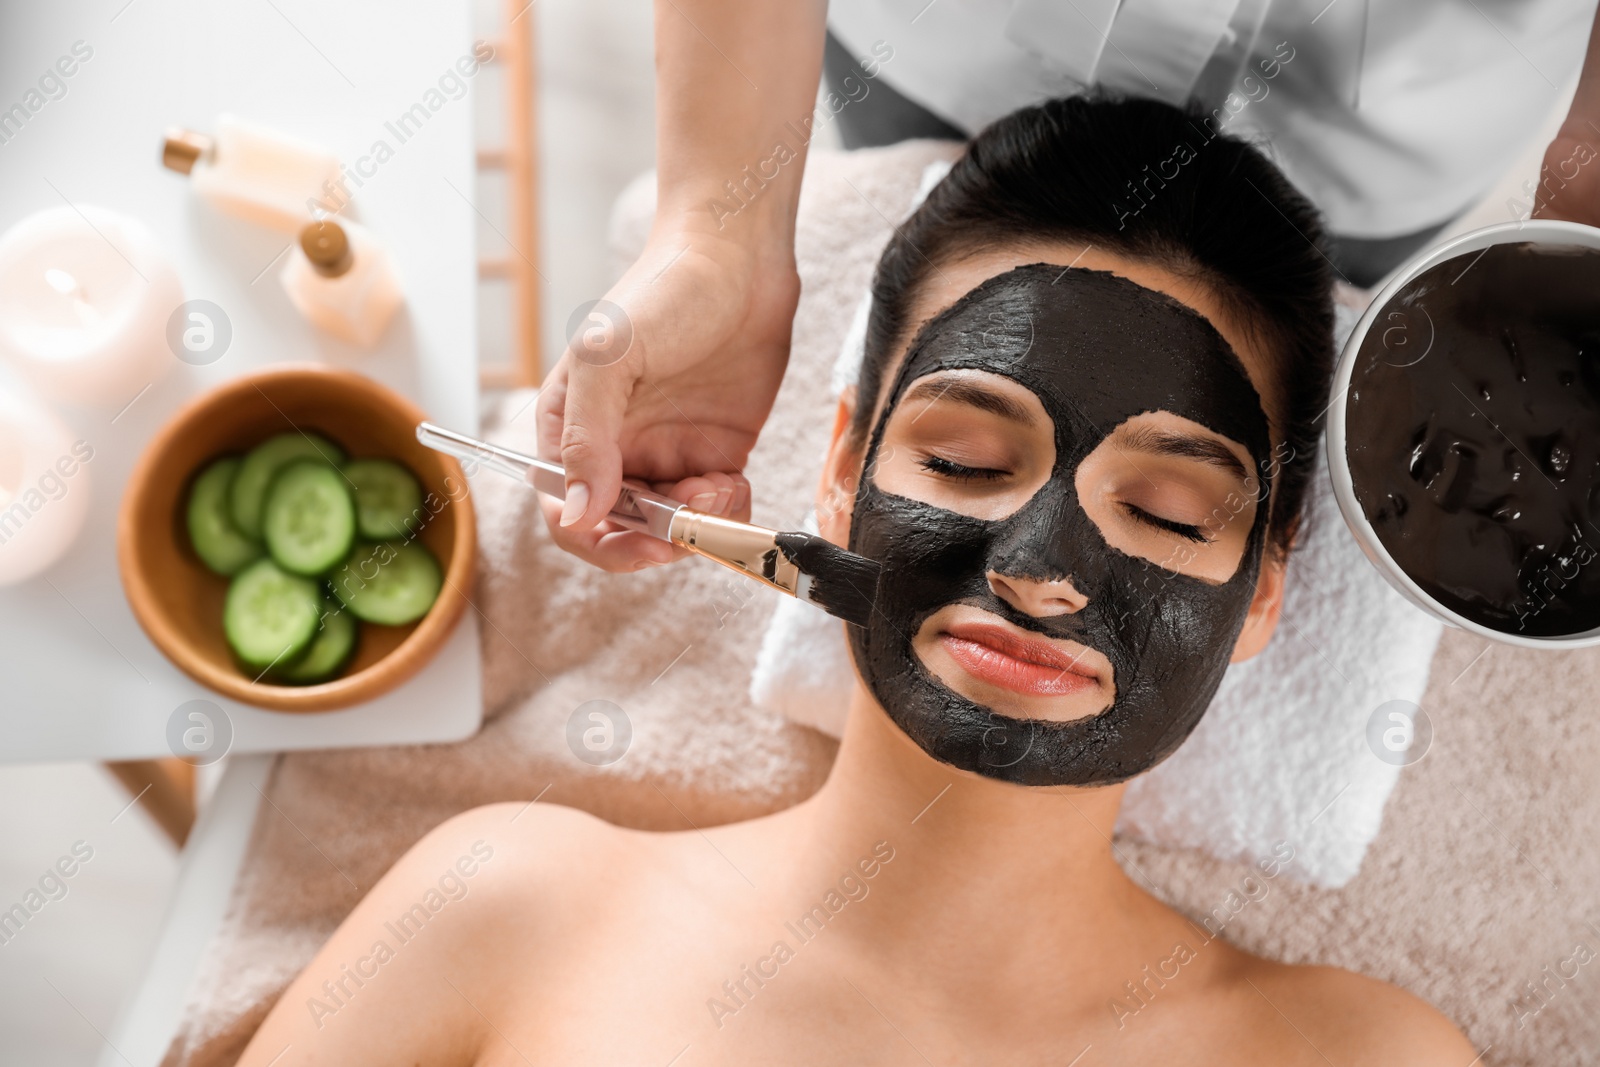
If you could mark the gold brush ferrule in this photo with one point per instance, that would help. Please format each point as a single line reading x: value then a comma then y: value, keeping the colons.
x: 748, y: 549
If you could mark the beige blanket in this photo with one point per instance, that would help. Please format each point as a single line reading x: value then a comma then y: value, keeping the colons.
x: 1476, y: 895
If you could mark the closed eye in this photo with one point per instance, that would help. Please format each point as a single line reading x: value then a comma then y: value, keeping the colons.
x: 1182, y: 529
x: 959, y: 471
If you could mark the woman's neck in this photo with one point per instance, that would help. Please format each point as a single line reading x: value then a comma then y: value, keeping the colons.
x: 1011, y: 880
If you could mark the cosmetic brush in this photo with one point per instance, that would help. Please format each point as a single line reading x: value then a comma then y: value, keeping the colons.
x: 803, y: 565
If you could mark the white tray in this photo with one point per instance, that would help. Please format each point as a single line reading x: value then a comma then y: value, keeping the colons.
x: 78, y: 678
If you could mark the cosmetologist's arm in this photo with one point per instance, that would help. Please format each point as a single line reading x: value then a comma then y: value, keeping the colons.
x: 673, y: 374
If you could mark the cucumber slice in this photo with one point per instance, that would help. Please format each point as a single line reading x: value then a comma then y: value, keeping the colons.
x: 216, y: 540
x: 388, y: 498
x: 330, y: 650
x: 389, y: 583
x: 248, y: 494
x: 309, y: 520
x: 270, y: 616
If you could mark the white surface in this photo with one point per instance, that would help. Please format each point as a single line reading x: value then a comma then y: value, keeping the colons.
x: 78, y: 678
x: 64, y: 977
x: 205, y: 879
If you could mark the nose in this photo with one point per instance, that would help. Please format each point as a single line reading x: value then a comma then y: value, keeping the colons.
x: 1041, y: 599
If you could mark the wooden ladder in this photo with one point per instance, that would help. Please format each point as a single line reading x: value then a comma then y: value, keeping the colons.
x: 519, y: 159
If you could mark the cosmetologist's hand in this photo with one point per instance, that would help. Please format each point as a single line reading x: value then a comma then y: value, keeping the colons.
x: 669, y: 379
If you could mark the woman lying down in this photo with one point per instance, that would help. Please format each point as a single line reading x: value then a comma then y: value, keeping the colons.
x: 1079, y: 446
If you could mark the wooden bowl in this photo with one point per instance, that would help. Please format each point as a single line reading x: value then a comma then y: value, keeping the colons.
x: 178, y: 601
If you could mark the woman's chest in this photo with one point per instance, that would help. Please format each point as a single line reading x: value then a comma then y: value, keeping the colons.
x: 678, y: 1004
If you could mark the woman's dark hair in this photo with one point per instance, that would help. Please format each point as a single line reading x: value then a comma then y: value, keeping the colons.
x: 1156, y: 184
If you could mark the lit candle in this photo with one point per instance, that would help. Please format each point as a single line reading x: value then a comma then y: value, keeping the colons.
x: 85, y: 295
x: 44, y: 489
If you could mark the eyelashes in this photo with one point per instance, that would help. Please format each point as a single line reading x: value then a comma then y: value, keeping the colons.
x: 947, y: 468
x: 1187, y: 531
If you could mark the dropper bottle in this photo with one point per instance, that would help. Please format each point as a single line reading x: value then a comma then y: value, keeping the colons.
x: 255, y: 173
x: 341, y: 280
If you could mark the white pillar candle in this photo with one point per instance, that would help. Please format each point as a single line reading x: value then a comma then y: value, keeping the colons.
x: 85, y: 295
x: 44, y: 489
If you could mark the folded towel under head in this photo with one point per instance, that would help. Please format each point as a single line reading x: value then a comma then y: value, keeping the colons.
x: 1283, y: 755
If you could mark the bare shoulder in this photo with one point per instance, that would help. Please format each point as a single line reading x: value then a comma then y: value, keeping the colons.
x: 406, y: 977
x: 1350, y: 1017
x: 531, y: 830
x: 525, y: 851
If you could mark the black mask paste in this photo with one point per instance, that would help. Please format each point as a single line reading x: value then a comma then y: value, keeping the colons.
x: 1097, y: 350
x: 1473, y: 435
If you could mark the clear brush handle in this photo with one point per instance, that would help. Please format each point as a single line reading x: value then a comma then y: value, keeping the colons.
x: 637, y: 509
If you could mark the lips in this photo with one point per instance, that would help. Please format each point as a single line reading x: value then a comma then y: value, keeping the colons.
x: 1010, y: 660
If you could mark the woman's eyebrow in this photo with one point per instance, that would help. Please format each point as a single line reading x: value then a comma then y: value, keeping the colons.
x: 1151, y: 441
x: 971, y: 393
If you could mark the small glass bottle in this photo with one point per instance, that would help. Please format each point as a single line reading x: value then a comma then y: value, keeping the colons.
x: 341, y: 280
x: 255, y: 173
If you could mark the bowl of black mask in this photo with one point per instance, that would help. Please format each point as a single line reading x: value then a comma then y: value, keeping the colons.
x: 1464, y: 433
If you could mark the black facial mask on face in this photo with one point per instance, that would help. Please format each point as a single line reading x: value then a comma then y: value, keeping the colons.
x: 1097, y: 350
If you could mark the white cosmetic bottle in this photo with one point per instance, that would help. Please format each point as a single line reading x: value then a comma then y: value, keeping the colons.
x: 254, y: 173
x: 341, y: 280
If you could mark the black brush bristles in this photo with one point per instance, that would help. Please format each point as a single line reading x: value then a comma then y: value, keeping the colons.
x: 841, y: 583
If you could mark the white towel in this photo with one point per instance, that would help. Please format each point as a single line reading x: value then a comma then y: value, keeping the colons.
x: 1281, y: 757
